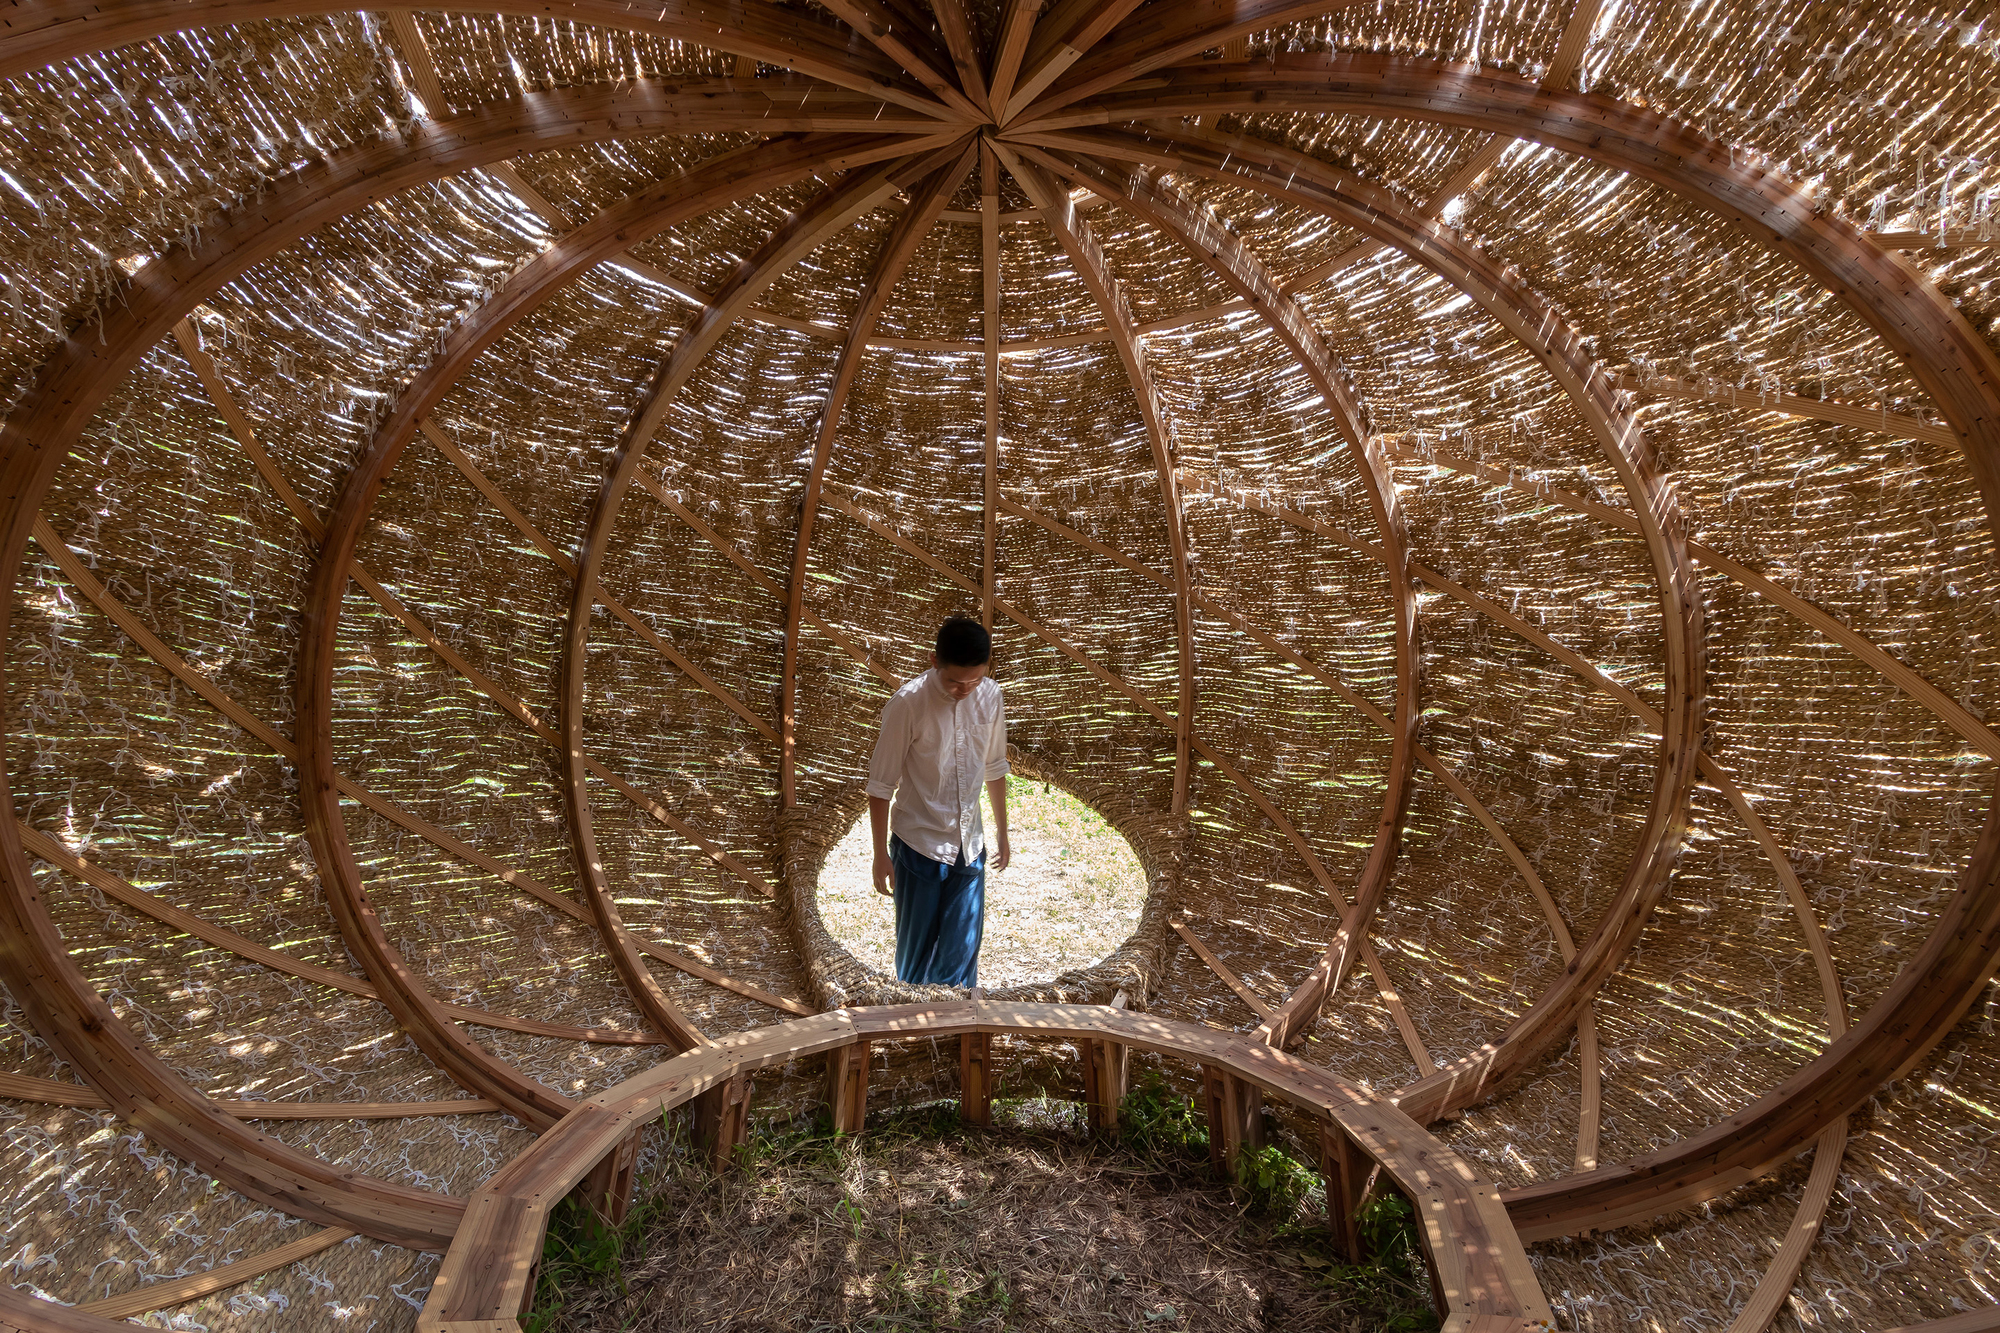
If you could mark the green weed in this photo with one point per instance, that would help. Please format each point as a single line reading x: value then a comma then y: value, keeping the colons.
x: 1156, y: 1123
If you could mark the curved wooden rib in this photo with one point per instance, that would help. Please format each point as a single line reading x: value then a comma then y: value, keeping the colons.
x: 833, y: 211
x: 1537, y: 326
x: 1391, y: 1000
x: 1957, y: 367
x: 1059, y: 211
x: 926, y: 204
x: 1225, y: 255
x: 50, y: 30
x: 166, y: 1295
x: 1483, y: 1274
x: 717, y: 181
x: 41, y: 432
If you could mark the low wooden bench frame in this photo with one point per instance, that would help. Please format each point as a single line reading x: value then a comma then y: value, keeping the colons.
x: 1484, y: 1281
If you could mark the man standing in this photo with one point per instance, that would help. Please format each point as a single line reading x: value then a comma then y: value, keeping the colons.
x: 942, y: 735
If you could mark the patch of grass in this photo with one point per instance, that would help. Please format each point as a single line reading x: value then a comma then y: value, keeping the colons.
x: 1154, y: 1122
x: 1276, y: 1182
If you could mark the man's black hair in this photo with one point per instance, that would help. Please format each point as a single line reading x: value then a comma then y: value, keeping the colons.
x: 963, y: 643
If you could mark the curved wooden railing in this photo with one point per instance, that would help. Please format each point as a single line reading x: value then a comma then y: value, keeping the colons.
x: 1484, y: 1281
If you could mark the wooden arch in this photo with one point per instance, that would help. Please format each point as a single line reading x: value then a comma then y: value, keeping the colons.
x: 1048, y: 92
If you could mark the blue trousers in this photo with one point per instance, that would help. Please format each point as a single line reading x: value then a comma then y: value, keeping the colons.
x: 940, y: 915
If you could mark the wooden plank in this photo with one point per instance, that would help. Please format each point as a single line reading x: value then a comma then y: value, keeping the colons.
x: 1877, y: 419
x: 180, y: 1291
x: 955, y: 27
x: 928, y: 201
x: 50, y: 1092
x: 989, y: 268
x: 1061, y: 37
x: 847, y: 1087
x: 1216, y: 965
x: 721, y: 1118
x: 1017, y: 28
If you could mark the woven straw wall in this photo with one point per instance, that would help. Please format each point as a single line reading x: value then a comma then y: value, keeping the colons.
x: 1736, y: 361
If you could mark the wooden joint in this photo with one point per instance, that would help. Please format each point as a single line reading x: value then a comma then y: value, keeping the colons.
x: 847, y: 1086
x: 722, y: 1120
x: 975, y: 1078
x: 1347, y: 1171
x: 1235, y: 1111
x: 607, y: 1190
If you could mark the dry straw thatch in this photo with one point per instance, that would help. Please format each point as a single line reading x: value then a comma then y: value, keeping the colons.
x: 1515, y: 480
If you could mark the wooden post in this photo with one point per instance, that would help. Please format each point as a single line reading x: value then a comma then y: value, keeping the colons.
x: 607, y: 1190
x: 721, y: 1115
x: 1105, y: 1068
x: 1222, y: 1132
x: 847, y: 1086
x: 975, y: 1078
x: 1347, y: 1170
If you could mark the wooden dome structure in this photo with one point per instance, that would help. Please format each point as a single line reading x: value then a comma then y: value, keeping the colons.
x: 1496, y: 504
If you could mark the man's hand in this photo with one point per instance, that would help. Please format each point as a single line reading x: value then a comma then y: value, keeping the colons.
x: 885, y: 874
x: 996, y: 861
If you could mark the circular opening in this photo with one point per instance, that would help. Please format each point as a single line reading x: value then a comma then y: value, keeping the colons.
x: 1072, y: 895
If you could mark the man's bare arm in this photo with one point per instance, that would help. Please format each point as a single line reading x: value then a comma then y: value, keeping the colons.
x: 996, y: 791
x: 885, y: 867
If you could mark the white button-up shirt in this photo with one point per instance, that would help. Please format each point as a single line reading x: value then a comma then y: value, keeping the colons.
x: 934, y: 754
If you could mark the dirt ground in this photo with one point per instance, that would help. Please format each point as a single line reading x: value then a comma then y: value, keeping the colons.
x: 1071, y: 896
x: 920, y: 1224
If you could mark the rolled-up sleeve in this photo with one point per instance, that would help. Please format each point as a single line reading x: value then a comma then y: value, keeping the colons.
x: 996, y: 744
x: 892, y: 745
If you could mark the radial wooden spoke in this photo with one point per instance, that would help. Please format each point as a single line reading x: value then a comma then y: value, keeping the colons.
x: 1059, y: 211
x: 1225, y: 255
x: 62, y: 29
x: 909, y: 46
x: 1017, y: 28
x: 926, y: 204
x: 1166, y: 33
x: 955, y: 26
x: 1299, y: 179
x: 1061, y: 36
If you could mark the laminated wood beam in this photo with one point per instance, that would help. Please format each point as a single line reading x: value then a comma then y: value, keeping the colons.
x: 1482, y: 1269
x: 834, y: 210
x: 1075, y: 237
x: 56, y: 30
x: 1948, y: 357
x: 928, y: 201
x: 1225, y: 255
x: 910, y: 48
x: 709, y: 185
x: 1297, y: 178
x: 989, y: 269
